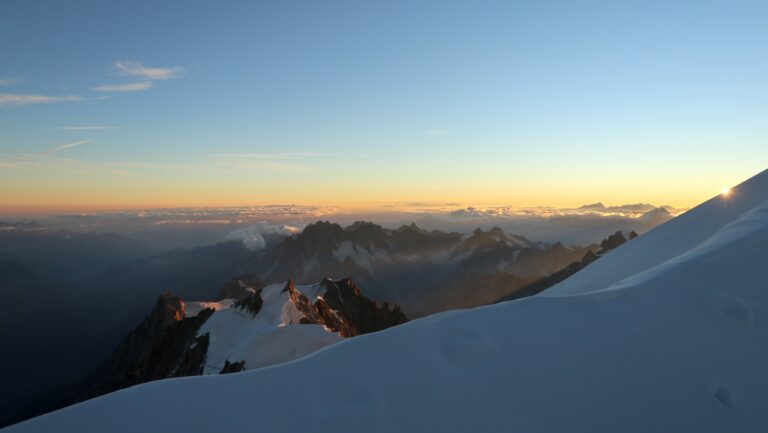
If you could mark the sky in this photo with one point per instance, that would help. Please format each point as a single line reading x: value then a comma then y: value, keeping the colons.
x: 114, y: 104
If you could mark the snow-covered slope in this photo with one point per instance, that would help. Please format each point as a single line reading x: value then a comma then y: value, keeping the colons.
x: 681, y: 347
x: 264, y: 338
x: 668, y: 240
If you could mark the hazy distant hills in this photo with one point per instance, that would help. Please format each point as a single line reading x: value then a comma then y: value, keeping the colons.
x: 408, y: 265
x: 422, y: 270
x: 65, y: 254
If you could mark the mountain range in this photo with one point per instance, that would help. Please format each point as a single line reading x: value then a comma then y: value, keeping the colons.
x: 94, y: 308
x: 665, y: 333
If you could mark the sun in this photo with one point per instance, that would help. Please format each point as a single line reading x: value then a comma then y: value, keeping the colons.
x: 725, y: 191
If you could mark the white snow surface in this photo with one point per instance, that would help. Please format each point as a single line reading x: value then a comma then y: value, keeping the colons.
x: 668, y: 240
x: 677, y: 347
x: 264, y: 339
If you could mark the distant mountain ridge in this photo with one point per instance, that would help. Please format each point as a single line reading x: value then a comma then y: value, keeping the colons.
x: 422, y: 270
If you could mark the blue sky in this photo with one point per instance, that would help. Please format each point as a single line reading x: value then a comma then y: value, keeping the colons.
x: 528, y: 103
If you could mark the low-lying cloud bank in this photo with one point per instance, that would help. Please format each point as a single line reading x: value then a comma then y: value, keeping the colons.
x: 256, y: 225
x: 259, y: 235
x: 579, y: 226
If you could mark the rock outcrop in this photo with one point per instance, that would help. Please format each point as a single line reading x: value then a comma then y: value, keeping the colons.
x: 241, y: 287
x: 169, y: 342
x: 613, y: 241
x: 344, y: 310
x: 163, y: 345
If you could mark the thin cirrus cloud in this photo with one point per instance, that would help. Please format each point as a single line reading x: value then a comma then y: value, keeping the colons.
x: 147, y: 74
x: 136, y: 69
x: 125, y: 87
x: 28, y: 99
x: 53, y: 150
x: 19, y: 99
x: 8, y: 81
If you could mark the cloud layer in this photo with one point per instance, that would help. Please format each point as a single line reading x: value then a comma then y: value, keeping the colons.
x: 16, y: 99
x: 136, y: 69
x: 147, y: 74
x: 53, y: 150
x: 257, y: 236
x: 124, y: 87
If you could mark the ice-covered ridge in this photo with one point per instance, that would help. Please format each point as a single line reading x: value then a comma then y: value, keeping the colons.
x: 668, y: 240
x: 264, y: 338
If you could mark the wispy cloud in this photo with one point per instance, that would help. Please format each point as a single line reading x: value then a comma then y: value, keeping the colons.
x: 53, y: 150
x: 85, y: 128
x: 136, y: 69
x: 147, y: 74
x: 125, y: 87
x: 17, y: 99
x: 8, y: 81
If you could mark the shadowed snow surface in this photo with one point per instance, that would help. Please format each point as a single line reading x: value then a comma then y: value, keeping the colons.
x: 667, y: 241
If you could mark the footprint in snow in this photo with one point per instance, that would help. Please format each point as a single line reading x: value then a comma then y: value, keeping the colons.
x: 739, y: 312
x: 724, y: 396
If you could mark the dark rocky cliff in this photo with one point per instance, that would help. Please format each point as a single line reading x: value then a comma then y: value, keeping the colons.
x: 162, y: 346
x: 343, y: 309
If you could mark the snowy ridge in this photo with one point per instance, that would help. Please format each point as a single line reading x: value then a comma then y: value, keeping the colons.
x: 681, y: 347
x: 668, y: 240
x: 265, y: 338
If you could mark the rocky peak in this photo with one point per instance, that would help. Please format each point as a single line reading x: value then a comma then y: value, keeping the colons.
x: 160, y: 347
x: 252, y: 303
x: 170, y: 344
x: 412, y: 227
x: 322, y: 229
x: 498, y: 234
x: 558, y: 248
x: 363, y: 226
x: 613, y: 241
x: 169, y: 308
x: 343, y: 309
x: 593, y: 206
x: 241, y: 287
